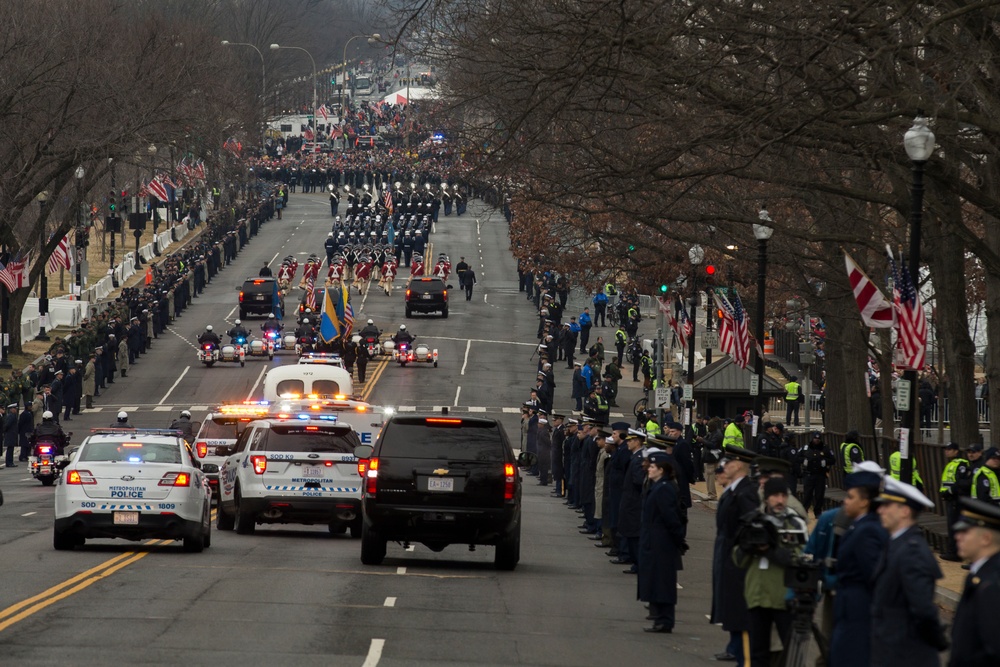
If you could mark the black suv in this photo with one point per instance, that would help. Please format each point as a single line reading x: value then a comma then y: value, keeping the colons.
x: 442, y: 480
x: 427, y: 295
x: 259, y: 296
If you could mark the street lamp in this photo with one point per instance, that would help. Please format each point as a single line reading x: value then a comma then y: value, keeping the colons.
x: 373, y: 39
x: 696, y: 255
x: 762, y: 232
x: 919, y: 143
x: 80, y: 173
x: 263, y: 83
x: 275, y: 47
x: 43, y: 295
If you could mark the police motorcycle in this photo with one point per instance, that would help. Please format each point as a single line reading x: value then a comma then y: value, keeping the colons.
x: 208, y: 347
x: 46, y: 453
x: 405, y: 352
x: 271, y: 339
x: 305, y: 342
x: 370, y: 340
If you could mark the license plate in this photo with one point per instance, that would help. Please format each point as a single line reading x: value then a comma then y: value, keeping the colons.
x: 45, y: 470
x: 126, y: 518
x: 312, y: 471
x: 261, y: 297
x: 440, y: 484
x: 427, y: 297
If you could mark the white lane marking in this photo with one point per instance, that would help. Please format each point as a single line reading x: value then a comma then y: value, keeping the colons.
x: 254, y: 387
x: 512, y: 411
x: 274, y: 258
x: 477, y: 409
x: 468, y: 344
x: 30, y: 513
x: 483, y: 340
x: 130, y: 408
x: 400, y: 570
x: 199, y: 408
x: 26, y: 479
x: 230, y: 313
x: 407, y: 408
x: 484, y: 298
x: 477, y: 225
x: 389, y: 602
x: 171, y: 330
x: 174, y: 385
x: 458, y: 390
x: 163, y: 408
x: 374, y: 653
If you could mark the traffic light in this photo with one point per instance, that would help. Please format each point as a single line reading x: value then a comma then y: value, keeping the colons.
x: 710, y: 274
x: 664, y: 288
x: 631, y: 247
x: 112, y: 203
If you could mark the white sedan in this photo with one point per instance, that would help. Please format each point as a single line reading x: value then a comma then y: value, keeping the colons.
x: 136, y: 485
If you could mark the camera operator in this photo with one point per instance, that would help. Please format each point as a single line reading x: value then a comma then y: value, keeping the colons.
x: 767, y: 543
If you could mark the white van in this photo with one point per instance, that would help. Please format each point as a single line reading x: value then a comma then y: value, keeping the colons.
x: 301, y: 380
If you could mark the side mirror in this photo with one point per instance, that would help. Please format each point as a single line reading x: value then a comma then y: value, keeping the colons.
x: 196, y: 463
x: 450, y: 287
x: 363, y: 451
x: 62, y: 462
x: 239, y: 287
x: 526, y: 459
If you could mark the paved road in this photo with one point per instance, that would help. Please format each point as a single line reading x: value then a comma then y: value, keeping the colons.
x: 298, y: 594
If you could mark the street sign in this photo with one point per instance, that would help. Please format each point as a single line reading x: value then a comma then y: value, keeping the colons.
x: 689, y: 392
x: 754, y: 384
x: 903, y: 395
x: 710, y: 339
x: 662, y: 399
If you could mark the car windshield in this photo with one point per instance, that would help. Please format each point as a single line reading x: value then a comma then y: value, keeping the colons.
x: 221, y: 428
x: 131, y: 452
x: 446, y: 439
x: 311, y: 439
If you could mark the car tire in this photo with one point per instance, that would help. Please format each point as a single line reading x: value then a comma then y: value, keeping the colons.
x: 372, y: 547
x: 356, y: 528
x: 337, y: 528
x: 223, y: 521
x: 62, y: 541
x: 243, y: 314
x: 207, y: 537
x: 245, y: 524
x: 409, y: 313
x: 508, y: 552
x: 195, y: 544
x: 444, y: 313
x: 242, y: 363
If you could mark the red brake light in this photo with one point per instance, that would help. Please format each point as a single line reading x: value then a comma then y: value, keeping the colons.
x: 445, y: 295
x: 45, y: 450
x: 258, y: 282
x: 241, y: 296
x: 407, y: 295
x: 176, y: 479
x: 439, y: 420
x: 371, y: 479
x: 202, y: 448
x: 80, y: 477
x: 509, y: 474
x: 362, y: 466
x: 259, y: 464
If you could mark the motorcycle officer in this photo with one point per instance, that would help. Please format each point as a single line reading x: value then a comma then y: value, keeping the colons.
x: 272, y: 324
x: 183, y: 424
x: 305, y: 330
x: 370, y: 331
x: 48, y: 427
x: 403, y: 336
x: 238, y: 331
x: 122, y: 421
x: 208, y: 337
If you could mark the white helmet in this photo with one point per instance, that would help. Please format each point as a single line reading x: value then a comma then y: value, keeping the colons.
x: 208, y: 328
x: 185, y: 413
x: 370, y: 321
x: 270, y: 316
x: 330, y: 234
x: 237, y: 323
x: 305, y: 320
x: 47, y: 414
x: 402, y: 327
x: 122, y: 416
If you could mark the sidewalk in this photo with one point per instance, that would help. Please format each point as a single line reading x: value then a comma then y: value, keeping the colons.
x: 949, y: 587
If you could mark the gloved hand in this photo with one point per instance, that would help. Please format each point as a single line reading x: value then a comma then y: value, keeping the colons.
x: 683, y: 548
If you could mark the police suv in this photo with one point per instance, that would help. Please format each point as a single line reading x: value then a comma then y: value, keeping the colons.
x: 218, y: 434
x: 134, y: 484
x: 292, y: 468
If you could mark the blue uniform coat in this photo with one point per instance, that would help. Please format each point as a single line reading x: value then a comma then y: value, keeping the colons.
x: 630, y: 509
x: 728, y: 604
x: 857, y: 555
x: 659, y: 544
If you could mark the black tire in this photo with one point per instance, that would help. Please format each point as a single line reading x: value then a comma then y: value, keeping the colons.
x: 242, y: 363
x: 209, y: 363
x: 48, y: 481
x: 444, y: 313
x: 243, y: 314
x: 195, y: 544
x: 372, y: 547
x: 356, y: 528
x: 408, y: 313
x: 508, y: 551
x: 337, y: 528
x: 245, y: 524
x: 640, y: 406
x: 62, y: 541
x: 223, y: 521
x: 208, y: 533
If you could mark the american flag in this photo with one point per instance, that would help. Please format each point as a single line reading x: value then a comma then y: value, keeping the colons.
x: 14, y: 274
x: 156, y: 188
x: 166, y: 180
x: 232, y: 146
x: 185, y: 171
x: 671, y: 311
x: 911, y: 324
x: 308, y: 134
x: 199, y: 170
x: 876, y: 311
x: 324, y: 113
x: 348, y: 319
x: 388, y: 201
x: 61, y: 257
x: 311, y: 294
x: 734, y: 330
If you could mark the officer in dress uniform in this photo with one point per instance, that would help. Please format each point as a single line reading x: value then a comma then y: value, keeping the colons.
x: 975, y: 640
x: 955, y: 482
x: 906, y: 629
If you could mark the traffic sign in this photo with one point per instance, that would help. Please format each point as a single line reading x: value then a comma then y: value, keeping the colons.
x: 754, y: 384
x: 903, y: 395
x: 662, y: 398
x: 710, y: 339
x: 688, y: 392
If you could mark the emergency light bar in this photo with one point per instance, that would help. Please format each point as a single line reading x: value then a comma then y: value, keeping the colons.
x: 137, y: 431
x: 244, y: 410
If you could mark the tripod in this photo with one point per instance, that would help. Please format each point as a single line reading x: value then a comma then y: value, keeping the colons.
x: 803, y: 606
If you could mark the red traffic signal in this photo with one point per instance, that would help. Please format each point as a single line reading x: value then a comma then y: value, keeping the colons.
x: 710, y: 269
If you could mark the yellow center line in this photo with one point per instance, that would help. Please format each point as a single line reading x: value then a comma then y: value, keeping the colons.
x: 370, y: 384
x: 11, y: 616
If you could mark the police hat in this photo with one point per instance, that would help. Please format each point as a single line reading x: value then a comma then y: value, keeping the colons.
x: 558, y: 416
x: 768, y: 465
x: 977, y: 514
x: 619, y: 426
x: 660, y: 441
x: 633, y: 433
x: 975, y: 447
x: 652, y: 451
x: 779, y: 426
x: 767, y: 425
x: 953, y: 446
x: 863, y: 479
x: 732, y: 452
x: 661, y: 459
x: 991, y: 453
x: 674, y: 426
x: 896, y: 491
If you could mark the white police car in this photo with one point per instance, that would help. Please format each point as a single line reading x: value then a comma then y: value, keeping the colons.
x: 292, y: 469
x: 134, y: 484
x: 218, y: 433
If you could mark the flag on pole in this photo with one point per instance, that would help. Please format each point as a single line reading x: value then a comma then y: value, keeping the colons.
x: 671, y: 311
x: 61, y: 257
x: 348, y: 319
x: 388, y: 201
x: 311, y: 293
x: 12, y: 274
x: 169, y: 182
x: 734, y: 330
x: 876, y: 310
x: 157, y: 189
x: 911, y: 323
x: 330, y: 319
x: 322, y: 111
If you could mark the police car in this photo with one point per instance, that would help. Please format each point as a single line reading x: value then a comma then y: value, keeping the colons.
x: 134, y: 484
x: 365, y: 419
x: 218, y: 434
x: 292, y: 468
x: 321, y: 359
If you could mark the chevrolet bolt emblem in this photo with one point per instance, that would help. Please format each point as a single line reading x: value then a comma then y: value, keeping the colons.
x: 441, y: 471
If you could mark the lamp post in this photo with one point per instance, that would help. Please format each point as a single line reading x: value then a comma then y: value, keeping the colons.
x: 696, y: 254
x: 276, y: 47
x: 263, y: 84
x: 762, y: 232
x: 919, y: 144
x: 80, y: 173
x: 43, y: 294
